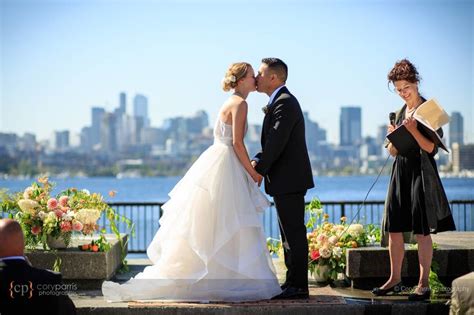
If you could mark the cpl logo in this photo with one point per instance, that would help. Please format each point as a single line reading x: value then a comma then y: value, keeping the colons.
x: 21, y: 289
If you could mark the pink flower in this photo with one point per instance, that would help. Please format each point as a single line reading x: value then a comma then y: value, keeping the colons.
x: 65, y: 209
x: 36, y: 230
x: 321, y: 238
x: 77, y: 226
x: 66, y: 226
x: 333, y: 239
x: 52, y: 203
x: 63, y: 201
x: 59, y: 213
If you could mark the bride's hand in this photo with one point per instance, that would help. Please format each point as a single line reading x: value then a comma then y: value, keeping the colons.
x: 257, y: 178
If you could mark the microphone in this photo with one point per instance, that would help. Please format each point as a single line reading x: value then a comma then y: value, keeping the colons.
x: 392, y: 117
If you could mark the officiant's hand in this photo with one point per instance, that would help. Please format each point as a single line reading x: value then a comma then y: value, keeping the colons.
x: 390, y: 128
x: 410, y: 123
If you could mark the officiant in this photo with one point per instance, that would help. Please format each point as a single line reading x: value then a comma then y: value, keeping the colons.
x: 416, y: 205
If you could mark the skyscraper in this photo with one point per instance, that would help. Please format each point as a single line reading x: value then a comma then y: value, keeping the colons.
x: 97, y: 118
x: 140, y: 108
x: 122, y: 110
x: 350, y: 126
x: 61, y: 140
x: 456, y: 129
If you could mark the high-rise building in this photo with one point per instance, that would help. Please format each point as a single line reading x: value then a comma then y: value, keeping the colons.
x: 456, y: 129
x: 108, y: 133
x: 313, y: 133
x: 463, y: 157
x: 140, y: 108
x: 350, y: 126
x: 122, y: 110
x: 61, y: 140
x: 98, y: 114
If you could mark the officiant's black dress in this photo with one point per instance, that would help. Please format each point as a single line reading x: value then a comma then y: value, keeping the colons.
x: 416, y: 201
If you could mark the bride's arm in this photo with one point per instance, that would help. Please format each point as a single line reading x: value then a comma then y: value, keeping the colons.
x: 239, y: 119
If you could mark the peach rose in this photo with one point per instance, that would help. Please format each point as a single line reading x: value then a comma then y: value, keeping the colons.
x: 63, y: 201
x: 52, y: 203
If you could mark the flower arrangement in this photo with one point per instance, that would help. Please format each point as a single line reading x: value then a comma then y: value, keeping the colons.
x: 45, y: 218
x: 328, y: 242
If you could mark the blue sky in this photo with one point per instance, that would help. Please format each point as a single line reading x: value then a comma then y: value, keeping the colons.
x: 60, y: 58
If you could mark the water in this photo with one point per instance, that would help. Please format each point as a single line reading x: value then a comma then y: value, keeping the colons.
x: 339, y: 188
x: 343, y: 188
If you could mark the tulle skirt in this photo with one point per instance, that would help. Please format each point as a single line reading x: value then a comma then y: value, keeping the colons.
x: 210, y: 245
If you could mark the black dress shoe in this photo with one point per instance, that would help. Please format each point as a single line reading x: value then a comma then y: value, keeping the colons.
x: 291, y: 293
x: 420, y: 297
x: 284, y: 286
x: 381, y: 292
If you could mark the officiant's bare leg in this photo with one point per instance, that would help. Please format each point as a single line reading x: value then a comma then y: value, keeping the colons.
x: 397, y: 252
x: 425, y: 255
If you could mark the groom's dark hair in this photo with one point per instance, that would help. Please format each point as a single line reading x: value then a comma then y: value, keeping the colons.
x: 278, y: 67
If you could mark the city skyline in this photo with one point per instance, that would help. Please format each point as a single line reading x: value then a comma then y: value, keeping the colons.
x: 175, y: 54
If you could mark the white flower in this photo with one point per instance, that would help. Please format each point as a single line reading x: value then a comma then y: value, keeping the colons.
x: 28, y: 192
x: 86, y: 191
x: 68, y: 216
x: 371, y: 239
x: 88, y: 216
x: 42, y: 215
x: 355, y: 229
x: 319, y: 211
x: 325, y: 252
x: 28, y: 206
x: 337, y: 251
x: 230, y: 78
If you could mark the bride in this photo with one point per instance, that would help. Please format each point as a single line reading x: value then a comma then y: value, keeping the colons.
x: 210, y: 245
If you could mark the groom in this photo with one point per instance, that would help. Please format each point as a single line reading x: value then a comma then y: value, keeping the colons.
x: 284, y: 163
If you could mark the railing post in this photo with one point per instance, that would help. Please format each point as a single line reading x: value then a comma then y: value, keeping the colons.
x: 343, y: 209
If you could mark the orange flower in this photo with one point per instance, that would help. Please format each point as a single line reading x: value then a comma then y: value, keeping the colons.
x: 354, y: 244
x: 43, y: 180
x: 112, y: 193
x: 326, y: 216
x: 343, y: 219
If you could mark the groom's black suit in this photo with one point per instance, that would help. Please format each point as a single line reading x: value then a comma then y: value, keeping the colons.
x: 285, y: 165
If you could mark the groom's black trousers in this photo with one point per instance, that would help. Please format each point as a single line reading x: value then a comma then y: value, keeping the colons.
x: 290, y: 209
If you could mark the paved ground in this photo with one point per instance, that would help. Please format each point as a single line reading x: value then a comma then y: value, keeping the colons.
x: 323, y: 299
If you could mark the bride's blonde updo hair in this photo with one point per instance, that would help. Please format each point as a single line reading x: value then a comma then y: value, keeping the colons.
x: 235, y: 72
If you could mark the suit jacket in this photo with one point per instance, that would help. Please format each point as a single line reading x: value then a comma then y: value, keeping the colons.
x: 284, y: 160
x: 24, y: 290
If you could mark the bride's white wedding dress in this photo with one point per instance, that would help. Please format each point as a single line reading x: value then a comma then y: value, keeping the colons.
x: 210, y: 245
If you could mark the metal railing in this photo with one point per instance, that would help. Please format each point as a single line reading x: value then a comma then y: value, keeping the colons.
x: 146, y: 215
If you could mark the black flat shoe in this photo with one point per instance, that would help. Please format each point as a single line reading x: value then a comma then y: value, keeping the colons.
x: 420, y: 297
x: 381, y: 292
x: 292, y: 293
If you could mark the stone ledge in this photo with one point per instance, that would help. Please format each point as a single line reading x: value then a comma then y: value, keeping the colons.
x: 80, y: 265
x: 370, y: 266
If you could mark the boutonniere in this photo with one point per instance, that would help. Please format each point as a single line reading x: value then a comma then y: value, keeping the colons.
x: 265, y: 109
